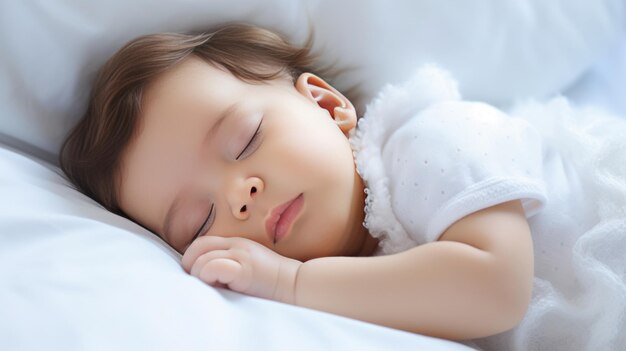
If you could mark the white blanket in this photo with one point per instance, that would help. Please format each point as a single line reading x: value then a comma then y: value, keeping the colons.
x: 594, y: 317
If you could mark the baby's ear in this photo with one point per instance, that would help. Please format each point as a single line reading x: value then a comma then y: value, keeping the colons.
x: 325, y: 96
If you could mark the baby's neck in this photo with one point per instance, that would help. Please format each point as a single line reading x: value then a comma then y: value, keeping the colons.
x: 370, y: 244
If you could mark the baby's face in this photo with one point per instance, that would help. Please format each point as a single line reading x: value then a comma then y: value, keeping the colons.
x: 213, y: 155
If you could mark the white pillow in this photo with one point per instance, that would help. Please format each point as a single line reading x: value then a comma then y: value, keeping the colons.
x: 76, y: 277
x: 604, y: 84
x: 498, y: 50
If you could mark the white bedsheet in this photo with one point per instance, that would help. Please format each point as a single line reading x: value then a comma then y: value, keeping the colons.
x: 76, y: 277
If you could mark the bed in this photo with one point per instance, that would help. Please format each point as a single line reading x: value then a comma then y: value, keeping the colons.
x: 76, y: 277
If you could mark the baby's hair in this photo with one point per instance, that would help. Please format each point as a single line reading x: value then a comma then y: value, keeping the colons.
x: 91, y: 154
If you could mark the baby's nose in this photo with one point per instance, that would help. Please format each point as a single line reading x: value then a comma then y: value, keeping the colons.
x: 243, y: 195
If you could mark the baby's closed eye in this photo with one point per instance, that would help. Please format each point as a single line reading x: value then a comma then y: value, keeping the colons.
x: 206, y: 225
x: 253, y: 143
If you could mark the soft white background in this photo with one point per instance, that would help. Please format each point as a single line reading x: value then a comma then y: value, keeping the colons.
x: 497, y: 49
x: 74, y: 276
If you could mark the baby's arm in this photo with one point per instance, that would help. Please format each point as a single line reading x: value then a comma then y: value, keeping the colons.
x: 475, y: 281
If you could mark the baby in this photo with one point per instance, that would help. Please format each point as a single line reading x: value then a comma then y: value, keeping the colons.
x: 229, y: 148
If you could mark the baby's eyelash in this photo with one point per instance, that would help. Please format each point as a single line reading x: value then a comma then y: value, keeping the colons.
x: 252, y: 144
x: 207, y: 223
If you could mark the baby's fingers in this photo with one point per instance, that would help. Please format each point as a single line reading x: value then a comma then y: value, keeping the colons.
x: 202, y: 246
x: 216, y: 267
x: 221, y: 270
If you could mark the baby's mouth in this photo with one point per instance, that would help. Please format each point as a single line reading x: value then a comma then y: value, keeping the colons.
x: 282, y: 217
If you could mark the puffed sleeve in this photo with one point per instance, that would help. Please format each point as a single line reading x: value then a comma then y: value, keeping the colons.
x: 455, y: 158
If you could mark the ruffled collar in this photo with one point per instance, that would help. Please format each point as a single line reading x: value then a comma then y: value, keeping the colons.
x: 385, y: 114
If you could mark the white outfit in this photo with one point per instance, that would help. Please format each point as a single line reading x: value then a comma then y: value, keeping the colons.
x: 428, y: 159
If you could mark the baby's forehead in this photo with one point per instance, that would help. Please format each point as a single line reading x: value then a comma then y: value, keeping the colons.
x: 197, y: 78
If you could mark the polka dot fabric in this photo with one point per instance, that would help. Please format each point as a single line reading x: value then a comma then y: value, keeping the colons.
x: 455, y: 158
x: 428, y: 159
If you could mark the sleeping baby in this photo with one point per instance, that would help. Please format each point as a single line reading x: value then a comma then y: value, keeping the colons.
x: 429, y: 214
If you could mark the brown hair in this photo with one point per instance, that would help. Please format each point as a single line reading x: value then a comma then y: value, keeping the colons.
x: 91, y: 154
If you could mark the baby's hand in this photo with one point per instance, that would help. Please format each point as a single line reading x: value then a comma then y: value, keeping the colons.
x: 242, y: 265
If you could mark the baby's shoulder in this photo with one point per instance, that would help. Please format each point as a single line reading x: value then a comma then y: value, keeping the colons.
x: 451, y: 115
x: 447, y: 121
x: 452, y: 132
